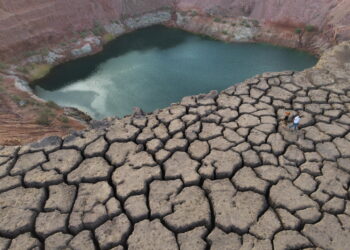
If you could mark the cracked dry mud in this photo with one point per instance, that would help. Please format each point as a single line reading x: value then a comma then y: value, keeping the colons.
x: 216, y: 171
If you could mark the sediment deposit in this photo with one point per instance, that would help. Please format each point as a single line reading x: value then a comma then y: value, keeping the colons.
x: 216, y: 170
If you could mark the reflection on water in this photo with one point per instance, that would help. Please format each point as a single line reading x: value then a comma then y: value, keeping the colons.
x: 154, y: 67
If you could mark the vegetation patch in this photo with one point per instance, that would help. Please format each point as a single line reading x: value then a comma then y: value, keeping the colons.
x: 3, y: 66
x: 20, y: 101
x: 52, y: 104
x: 300, y: 31
x: 30, y: 53
x: 108, y: 37
x: 15, y: 98
x: 255, y: 22
x: 310, y: 28
x: 63, y: 119
x: 44, y: 51
x: 23, y: 69
x: 2, y: 89
x: 83, y: 33
x: 45, y: 117
x: 245, y: 23
x: 194, y: 13
x: 98, y: 30
x: 37, y: 71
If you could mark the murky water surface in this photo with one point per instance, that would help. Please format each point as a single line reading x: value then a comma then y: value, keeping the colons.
x: 156, y: 66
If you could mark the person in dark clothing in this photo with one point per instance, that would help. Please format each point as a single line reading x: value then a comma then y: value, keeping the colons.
x: 285, y: 119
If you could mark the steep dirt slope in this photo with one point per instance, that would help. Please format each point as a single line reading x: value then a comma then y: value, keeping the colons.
x: 26, y: 24
x: 19, y: 122
x: 324, y: 14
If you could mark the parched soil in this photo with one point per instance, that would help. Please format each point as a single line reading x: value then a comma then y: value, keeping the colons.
x: 216, y: 171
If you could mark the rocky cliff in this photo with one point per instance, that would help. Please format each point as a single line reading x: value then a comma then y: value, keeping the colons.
x: 33, y: 24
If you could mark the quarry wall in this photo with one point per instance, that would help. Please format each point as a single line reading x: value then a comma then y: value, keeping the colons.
x: 30, y: 24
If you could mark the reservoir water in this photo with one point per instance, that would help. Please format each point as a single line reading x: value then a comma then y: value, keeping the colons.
x: 154, y: 67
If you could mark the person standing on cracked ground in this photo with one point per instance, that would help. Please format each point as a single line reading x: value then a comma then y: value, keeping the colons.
x: 296, y: 122
x: 285, y: 119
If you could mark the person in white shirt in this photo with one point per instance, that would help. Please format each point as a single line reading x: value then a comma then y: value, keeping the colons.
x: 296, y: 122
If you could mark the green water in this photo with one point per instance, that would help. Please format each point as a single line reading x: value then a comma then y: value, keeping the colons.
x: 154, y: 67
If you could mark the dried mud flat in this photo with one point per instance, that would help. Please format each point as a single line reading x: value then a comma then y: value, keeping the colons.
x: 215, y: 171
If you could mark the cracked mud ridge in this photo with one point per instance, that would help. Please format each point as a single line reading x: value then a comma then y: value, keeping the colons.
x: 216, y: 171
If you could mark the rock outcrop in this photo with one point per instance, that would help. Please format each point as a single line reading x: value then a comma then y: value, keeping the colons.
x: 217, y: 170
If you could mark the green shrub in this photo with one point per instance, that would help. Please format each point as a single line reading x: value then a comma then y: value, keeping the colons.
x: 298, y: 31
x: 98, y: 30
x: 2, y: 66
x: 217, y: 20
x: 45, y: 117
x: 52, y: 104
x: 44, y: 51
x: 32, y: 102
x: 108, y: 37
x: 224, y: 32
x: 15, y: 98
x: 255, y: 22
x: 50, y: 113
x: 194, y: 13
x: 29, y: 53
x: 245, y: 24
x: 63, y: 119
x: 35, y: 71
x: 310, y: 28
x: 83, y: 34
x: 65, y: 126
x: 23, y: 69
